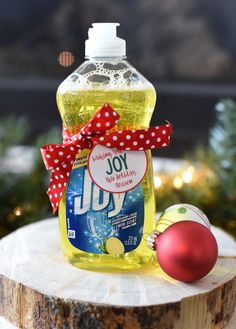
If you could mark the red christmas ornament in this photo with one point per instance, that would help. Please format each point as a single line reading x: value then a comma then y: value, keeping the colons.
x: 186, y: 250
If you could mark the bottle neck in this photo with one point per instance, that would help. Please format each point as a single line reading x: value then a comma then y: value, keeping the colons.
x: 106, y: 59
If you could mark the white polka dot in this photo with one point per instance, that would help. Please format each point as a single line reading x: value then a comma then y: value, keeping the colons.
x: 153, y: 134
x: 64, y: 165
x: 133, y: 131
x: 135, y: 143
x: 157, y: 127
x: 163, y: 132
x: 90, y: 125
x: 147, y: 141
x: 167, y: 125
x: 120, y: 132
x: 61, y: 194
x: 61, y: 153
x: 57, y: 204
x: 51, y: 150
x: 141, y: 148
x: 146, y: 129
x: 67, y: 174
x: 50, y: 196
x: 108, y: 124
x: 158, y: 139
x: 61, y: 176
x: 64, y: 184
x: 116, y: 121
x: 127, y: 148
x: 169, y: 137
x: 56, y: 177
x: 48, y: 156
x: 122, y: 144
x: 128, y: 137
x: 56, y: 161
x: 108, y: 144
x: 57, y: 169
x: 55, y: 195
x: 72, y: 148
x: 54, y: 186
x: 141, y: 136
x: 89, y: 133
x: 98, y: 124
x: 115, y: 114
x: 99, y: 115
x: 68, y: 156
x: 107, y: 114
x: 59, y: 185
x: 101, y: 138
x: 153, y: 146
x: 114, y: 138
x: 164, y: 144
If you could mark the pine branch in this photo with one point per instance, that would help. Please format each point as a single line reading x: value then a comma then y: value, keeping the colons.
x: 13, y: 131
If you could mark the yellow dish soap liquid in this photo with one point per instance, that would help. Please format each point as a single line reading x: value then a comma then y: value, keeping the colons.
x: 93, y: 235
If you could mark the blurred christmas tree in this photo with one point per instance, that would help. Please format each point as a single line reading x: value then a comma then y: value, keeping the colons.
x: 223, y: 145
x: 22, y: 183
x: 208, y: 178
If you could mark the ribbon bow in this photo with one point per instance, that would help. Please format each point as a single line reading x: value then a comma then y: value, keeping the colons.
x: 60, y: 157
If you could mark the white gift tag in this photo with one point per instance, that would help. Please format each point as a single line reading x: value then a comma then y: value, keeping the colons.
x: 116, y: 171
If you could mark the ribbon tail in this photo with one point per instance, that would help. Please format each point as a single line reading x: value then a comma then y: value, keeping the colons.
x: 57, y: 186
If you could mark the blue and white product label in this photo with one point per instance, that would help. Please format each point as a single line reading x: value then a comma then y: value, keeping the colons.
x: 99, y: 221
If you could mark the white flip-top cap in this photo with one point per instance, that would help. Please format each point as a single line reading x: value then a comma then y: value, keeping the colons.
x: 103, y: 41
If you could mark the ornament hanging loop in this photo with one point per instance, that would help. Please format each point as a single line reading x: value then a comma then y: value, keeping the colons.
x: 152, y: 239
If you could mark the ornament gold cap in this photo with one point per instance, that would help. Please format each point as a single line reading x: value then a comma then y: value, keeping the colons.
x: 152, y: 238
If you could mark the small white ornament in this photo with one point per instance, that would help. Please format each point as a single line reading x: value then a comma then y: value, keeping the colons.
x: 179, y: 212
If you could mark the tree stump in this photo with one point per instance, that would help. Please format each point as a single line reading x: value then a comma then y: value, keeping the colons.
x: 39, y: 289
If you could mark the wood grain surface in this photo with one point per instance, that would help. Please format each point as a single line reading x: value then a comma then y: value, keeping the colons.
x: 39, y: 289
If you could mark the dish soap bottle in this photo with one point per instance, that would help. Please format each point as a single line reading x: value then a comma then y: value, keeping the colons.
x: 92, y: 239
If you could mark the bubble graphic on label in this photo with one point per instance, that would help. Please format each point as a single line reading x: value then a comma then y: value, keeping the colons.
x: 114, y: 246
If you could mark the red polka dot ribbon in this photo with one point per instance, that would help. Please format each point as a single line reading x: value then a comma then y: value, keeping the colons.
x: 60, y: 157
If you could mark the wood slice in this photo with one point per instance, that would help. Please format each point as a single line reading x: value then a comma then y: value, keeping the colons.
x: 39, y: 289
x: 4, y: 324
